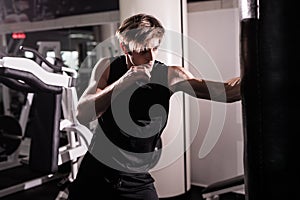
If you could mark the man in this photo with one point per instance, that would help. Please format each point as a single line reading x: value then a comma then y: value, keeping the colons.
x: 129, y: 96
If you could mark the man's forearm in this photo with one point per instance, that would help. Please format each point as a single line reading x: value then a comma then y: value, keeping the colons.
x: 209, y: 90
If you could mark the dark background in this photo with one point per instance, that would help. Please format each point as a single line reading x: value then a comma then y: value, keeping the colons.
x: 36, y: 10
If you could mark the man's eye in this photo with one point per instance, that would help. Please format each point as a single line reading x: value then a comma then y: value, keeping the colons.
x: 144, y: 51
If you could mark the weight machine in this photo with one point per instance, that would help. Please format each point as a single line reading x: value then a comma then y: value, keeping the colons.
x: 14, y: 146
x: 57, y: 84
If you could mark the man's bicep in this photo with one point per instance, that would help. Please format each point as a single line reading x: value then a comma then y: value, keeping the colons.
x: 178, y: 74
x: 194, y: 87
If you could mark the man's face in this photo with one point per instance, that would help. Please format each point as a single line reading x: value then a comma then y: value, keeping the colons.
x: 146, y: 54
x: 145, y: 57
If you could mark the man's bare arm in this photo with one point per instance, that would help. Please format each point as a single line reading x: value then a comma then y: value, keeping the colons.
x: 182, y: 80
x: 97, y: 97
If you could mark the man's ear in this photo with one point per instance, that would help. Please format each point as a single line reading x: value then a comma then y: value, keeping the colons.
x: 124, y: 48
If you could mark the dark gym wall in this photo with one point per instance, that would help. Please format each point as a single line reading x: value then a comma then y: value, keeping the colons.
x: 37, y: 10
x: 33, y: 10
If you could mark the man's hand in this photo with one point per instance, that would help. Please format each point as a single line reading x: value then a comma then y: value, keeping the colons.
x: 135, y: 75
x: 233, y: 81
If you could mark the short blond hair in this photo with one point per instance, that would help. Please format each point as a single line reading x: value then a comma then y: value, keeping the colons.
x: 137, y: 32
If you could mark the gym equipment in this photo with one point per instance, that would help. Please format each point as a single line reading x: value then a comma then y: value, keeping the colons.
x: 214, y: 190
x: 58, y: 87
x: 247, y: 37
x: 13, y: 143
x: 10, y: 136
x: 19, y: 147
x: 267, y: 56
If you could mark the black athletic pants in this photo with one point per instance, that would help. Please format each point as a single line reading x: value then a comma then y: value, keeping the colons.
x: 94, y: 182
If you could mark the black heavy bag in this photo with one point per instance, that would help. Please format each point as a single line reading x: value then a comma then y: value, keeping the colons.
x: 265, y: 55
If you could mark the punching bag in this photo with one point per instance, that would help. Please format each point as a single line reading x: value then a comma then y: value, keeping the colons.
x: 265, y: 55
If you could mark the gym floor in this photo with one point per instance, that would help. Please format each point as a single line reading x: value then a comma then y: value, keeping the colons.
x: 49, y: 191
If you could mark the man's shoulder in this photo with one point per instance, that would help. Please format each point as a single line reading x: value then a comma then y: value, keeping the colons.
x: 160, y: 63
x: 110, y: 60
x: 118, y: 59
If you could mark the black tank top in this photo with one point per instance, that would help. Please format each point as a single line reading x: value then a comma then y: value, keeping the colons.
x: 136, y: 118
